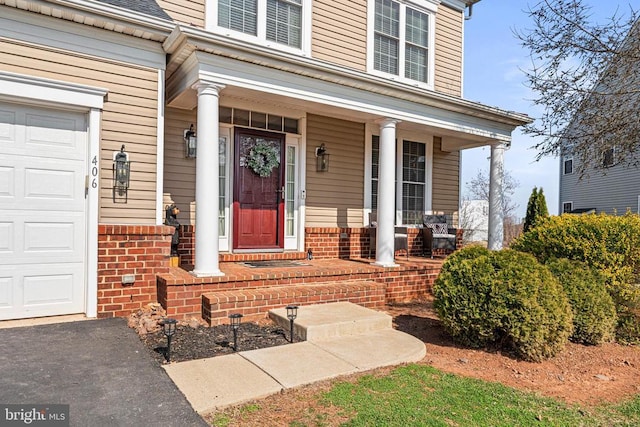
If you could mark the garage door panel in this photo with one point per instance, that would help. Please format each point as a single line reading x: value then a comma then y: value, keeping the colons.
x: 43, y: 226
x: 34, y: 183
x: 6, y: 293
x: 48, y: 289
x: 50, y: 131
x: 7, y: 240
x: 45, y: 290
x: 7, y: 182
x: 43, y: 237
x: 49, y: 237
x: 25, y: 132
x: 7, y: 127
x: 49, y: 184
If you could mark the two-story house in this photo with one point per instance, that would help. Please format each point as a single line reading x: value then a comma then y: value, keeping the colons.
x: 275, y: 126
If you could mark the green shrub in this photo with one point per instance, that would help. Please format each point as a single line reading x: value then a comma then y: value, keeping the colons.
x: 505, y: 299
x: 611, y: 244
x: 594, y: 313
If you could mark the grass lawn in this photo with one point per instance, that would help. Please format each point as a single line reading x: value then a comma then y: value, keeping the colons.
x: 418, y: 395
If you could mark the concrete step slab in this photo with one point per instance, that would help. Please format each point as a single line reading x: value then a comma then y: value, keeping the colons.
x: 221, y: 381
x: 332, y: 320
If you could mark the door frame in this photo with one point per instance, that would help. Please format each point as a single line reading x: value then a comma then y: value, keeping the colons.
x: 280, y: 236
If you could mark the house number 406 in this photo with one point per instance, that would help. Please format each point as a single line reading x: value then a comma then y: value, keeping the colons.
x: 94, y: 172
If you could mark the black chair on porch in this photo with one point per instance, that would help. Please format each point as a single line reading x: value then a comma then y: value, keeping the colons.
x: 401, y: 236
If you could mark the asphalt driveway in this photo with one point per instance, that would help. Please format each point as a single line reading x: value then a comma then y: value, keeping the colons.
x: 98, y: 367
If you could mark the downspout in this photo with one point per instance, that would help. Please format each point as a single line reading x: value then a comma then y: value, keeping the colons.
x: 469, y: 9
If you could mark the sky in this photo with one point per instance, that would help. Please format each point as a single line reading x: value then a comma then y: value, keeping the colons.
x: 493, y: 75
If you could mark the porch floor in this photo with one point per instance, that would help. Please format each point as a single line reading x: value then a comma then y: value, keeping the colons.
x: 254, y: 291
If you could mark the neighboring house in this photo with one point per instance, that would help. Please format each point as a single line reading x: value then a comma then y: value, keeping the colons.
x: 615, y: 190
x: 307, y: 114
x: 474, y: 220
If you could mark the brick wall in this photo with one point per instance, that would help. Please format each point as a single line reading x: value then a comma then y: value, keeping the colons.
x: 346, y: 243
x: 130, y: 249
x: 324, y: 242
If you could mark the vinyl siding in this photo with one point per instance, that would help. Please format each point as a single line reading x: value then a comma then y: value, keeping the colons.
x: 188, y: 12
x: 615, y: 192
x: 340, y: 32
x: 129, y: 117
x: 448, y: 62
x: 446, y: 179
x: 179, y: 172
x: 335, y: 198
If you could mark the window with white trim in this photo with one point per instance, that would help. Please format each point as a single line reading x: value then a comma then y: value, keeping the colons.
x: 401, y: 40
x: 567, y: 207
x: 414, y: 179
x: 567, y: 166
x: 608, y: 157
x: 283, y: 24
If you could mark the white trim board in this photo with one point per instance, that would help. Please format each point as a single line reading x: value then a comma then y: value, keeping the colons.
x: 69, y: 36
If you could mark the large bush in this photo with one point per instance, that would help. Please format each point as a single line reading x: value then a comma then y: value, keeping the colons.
x: 505, y: 299
x: 594, y: 313
x: 611, y: 244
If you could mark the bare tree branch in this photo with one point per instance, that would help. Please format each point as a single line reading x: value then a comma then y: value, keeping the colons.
x: 587, y: 78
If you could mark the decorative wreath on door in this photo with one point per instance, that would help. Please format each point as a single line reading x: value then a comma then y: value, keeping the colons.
x: 262, y: 158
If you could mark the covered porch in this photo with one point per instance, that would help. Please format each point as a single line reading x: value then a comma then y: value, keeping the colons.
x: 372, y: 128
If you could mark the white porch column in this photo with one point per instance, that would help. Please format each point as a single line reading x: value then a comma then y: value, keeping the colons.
x: 385, y: 241
x: 207, y: 191
x: 496, y: 213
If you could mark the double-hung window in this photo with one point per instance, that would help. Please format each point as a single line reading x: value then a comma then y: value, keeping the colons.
x: 282, y: 24
x: 401, y: 39
x: 412, y: 184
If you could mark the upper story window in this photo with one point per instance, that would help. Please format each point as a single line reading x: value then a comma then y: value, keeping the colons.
x: 281, y: 24
x: 567, y: 166
x: 608, y: 157
x: 401, y: 40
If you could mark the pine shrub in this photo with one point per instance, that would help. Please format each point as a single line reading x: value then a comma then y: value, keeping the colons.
x: 505, y: 299
x: 594, y: 313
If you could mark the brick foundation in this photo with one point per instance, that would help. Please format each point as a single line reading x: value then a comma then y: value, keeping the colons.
x: 130, y: 249
x: 181, y: 294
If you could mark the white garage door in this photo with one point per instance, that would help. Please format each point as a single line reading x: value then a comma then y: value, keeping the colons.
x: 42, y: 211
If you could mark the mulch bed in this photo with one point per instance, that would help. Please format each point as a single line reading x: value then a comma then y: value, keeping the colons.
x: 191, y: 343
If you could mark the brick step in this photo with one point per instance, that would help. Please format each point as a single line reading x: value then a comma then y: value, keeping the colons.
x: 321, y: 322
x: 254, y: 304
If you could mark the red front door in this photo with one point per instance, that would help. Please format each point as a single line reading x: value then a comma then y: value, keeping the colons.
x: 258, y: 205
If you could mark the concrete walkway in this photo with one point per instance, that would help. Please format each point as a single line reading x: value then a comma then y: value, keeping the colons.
x: 341, y: 339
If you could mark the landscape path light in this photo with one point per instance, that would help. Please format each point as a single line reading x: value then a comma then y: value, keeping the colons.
x: 235, y: 320
x: 292, y: 313
x: 169, y: 330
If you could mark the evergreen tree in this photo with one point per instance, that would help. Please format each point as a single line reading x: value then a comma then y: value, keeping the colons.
x: 536, y: 209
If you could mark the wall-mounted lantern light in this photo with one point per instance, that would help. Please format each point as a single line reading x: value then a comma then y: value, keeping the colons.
x: 190, y: 143
x: 121, y: 174
x: 322, y: 159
